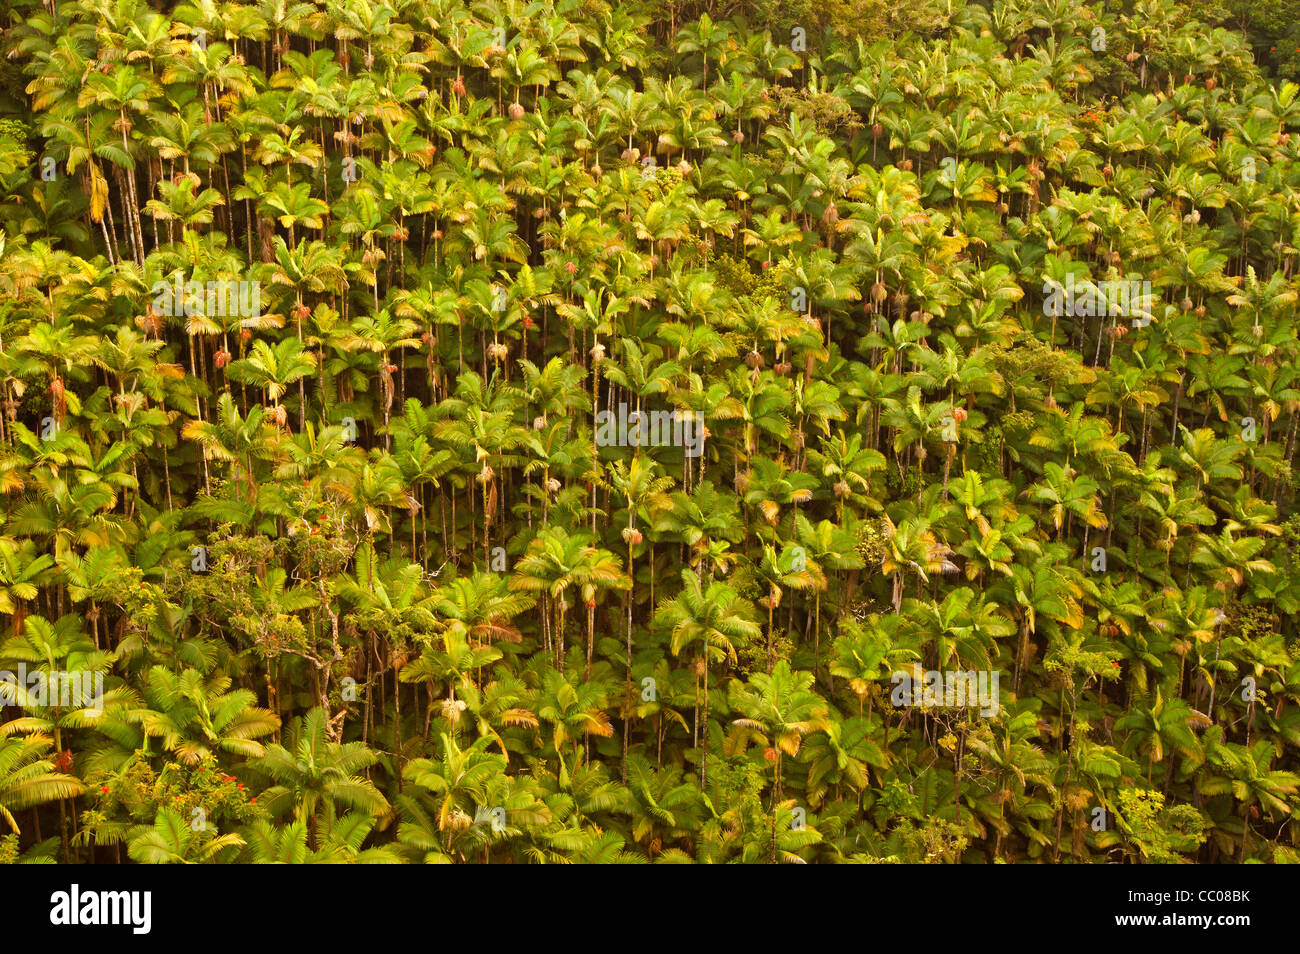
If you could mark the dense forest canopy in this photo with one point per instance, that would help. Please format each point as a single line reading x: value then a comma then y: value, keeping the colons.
x: 583, y: 431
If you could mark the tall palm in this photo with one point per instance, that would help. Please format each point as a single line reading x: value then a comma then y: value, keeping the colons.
x: 314, y: 777
x: 711, y: 622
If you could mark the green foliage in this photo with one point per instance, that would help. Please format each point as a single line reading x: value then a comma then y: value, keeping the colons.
x: 13, y: 151
x: 1159, y: 834
x: 868, y: 19
x: 964, y: 336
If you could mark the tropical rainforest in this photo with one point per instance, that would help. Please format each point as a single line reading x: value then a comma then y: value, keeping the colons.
x: 330, y: 535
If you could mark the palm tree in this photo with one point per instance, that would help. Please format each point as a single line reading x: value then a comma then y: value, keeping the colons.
x: 28, y: 779
x: 555, y: 562
x: 237, y: 439
x: 460, y: 783
x: 711, y: 621
x: 912, y: 546
x: 381, y: 333
x: 1013, y: 763
x: 1162, y: 726
x: 780, y: 709
x: 288, y: 845
x: 1249, y: 779
x: 314, y: 777
x: 196, y: 717
x: 645, y: 494
x: 573, y: 710
x: 273, y: 369
x: 126, y: 92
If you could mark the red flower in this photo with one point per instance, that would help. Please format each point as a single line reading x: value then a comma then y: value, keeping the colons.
x: 104, y: 789
x: 240, y: 786
x: 769, y: 754
x: 528, y: 321
x: 570, y: 267
x: 253, y: 799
